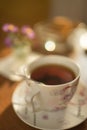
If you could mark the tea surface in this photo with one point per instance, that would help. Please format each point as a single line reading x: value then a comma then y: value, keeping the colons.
x: 52, y: 74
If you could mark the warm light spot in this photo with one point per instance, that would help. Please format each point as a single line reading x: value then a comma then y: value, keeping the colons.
x: 83, y: 41
x: 50, y: 46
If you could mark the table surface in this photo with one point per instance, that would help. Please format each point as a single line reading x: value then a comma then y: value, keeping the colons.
x: 8, y: 119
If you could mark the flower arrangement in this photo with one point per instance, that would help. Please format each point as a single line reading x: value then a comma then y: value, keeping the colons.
x: 14, y: 34
x: 18, y: 38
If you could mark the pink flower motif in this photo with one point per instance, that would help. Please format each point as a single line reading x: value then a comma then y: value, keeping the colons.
x: 67, y: 97
x: 82, y: 93
x: 9, y: 28
x: 45, y: 117
x: 60, y: 108
x: 66, y: 88
x: 57, y: 108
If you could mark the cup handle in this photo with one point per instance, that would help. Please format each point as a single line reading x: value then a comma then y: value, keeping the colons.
x: 34, y: 93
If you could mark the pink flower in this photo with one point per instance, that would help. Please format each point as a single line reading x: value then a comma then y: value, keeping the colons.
x: 28, y: 32
x: 8, y: 41
x: 9, y: 28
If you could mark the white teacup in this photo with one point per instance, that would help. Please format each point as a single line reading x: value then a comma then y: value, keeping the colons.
x: 53, y: 96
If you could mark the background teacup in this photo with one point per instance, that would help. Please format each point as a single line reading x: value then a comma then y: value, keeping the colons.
x: 52, y: 80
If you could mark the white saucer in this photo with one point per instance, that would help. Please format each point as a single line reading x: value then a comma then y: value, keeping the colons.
x: 75, y: 113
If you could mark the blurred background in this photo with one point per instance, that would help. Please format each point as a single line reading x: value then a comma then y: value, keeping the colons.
x: 22, y: 12
x: 74, y: 9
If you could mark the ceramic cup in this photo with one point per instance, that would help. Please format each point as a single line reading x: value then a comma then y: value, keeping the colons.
x: 51, y: 97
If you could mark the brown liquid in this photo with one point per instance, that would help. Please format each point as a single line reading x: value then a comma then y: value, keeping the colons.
x: 52, y: 74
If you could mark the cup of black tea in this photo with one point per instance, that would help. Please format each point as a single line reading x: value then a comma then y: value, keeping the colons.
x: 52, y: 80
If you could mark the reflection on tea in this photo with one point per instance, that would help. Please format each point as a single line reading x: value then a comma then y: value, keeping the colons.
x: 52, y: 74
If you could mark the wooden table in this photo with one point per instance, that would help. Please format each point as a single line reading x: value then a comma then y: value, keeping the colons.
x: 8, y: 119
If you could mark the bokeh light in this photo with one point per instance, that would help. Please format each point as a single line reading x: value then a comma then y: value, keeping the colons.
x: 50, y: 45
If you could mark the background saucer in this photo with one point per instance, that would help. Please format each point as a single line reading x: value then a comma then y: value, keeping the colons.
x: 9, y: 65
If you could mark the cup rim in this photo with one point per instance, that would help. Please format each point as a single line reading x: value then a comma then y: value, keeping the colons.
x: 58, y: 85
